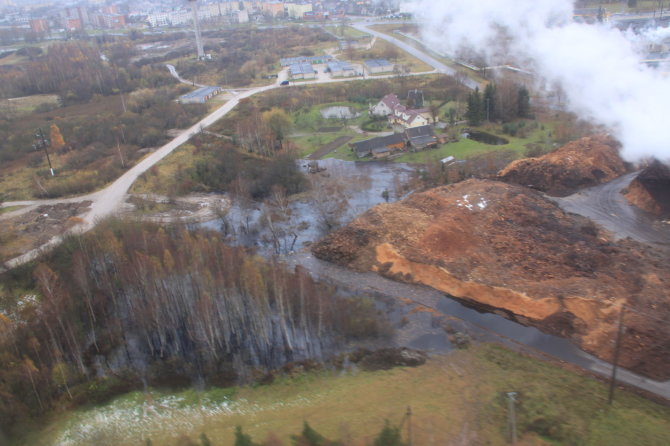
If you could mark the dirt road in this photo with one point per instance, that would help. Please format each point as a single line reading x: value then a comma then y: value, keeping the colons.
x: 606, y: 205
x: 106, y: 201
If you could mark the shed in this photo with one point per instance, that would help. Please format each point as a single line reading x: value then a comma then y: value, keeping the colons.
x: 421, y: 137
x: 380, y: 146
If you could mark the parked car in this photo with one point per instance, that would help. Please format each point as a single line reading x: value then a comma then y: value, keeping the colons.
x: 284, y: 83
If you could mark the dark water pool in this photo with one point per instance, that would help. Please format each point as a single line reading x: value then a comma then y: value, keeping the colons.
x: 486, y: 138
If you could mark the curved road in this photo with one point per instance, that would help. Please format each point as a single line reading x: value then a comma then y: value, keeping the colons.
x: 107, y: 200
x: 600, y: 203
x: 439, y: 66
x: 606, y: 205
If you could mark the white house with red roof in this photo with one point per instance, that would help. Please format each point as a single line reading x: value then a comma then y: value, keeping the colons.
x: 399, y: 115
x: 386, y: 106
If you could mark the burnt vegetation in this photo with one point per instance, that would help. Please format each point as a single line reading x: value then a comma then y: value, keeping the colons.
x: 134, y: 304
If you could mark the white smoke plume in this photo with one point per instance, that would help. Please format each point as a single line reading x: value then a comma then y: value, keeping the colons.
x: 597, y: 66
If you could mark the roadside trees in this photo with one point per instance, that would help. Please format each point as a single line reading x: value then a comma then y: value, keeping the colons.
x: 278, y: 122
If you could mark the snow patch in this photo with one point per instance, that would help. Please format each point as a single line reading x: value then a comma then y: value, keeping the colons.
x: 465, y: 202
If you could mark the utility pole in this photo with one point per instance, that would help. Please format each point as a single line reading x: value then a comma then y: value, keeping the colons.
x: 196, y: 29
x: 615, y: 362
x: 511, y: 415
x: 408, y: 414
x: 43, y: 143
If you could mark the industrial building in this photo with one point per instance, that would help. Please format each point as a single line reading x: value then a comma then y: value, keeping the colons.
x: 302, y: 71
x: 338, y: 68
x: 199, y: 96
x: 288, y: 61
x: 375, y: 66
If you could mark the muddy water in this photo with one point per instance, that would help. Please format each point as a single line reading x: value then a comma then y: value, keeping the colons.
x: 357, y: 187
x: 419, y: 313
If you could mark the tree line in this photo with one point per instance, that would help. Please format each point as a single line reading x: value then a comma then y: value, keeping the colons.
x: 136, y: 303
x: 499, y: 102
x: 75, y: 71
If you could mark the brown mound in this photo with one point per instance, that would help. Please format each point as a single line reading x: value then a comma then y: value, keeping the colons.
x: 650, y: 191
x: 503, y: 246
x: 586, y: 162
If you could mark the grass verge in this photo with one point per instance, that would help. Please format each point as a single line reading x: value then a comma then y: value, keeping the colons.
x: 459, y: 398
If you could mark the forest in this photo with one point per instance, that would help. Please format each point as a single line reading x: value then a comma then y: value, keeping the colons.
x: 109, y: 110
x: 132, y: 304
x: 244, y: 55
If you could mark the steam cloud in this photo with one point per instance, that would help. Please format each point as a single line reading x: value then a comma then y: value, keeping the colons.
x: 597, y: 66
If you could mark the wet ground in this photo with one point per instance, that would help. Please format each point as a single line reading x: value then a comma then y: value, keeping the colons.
x: 424, y: 318
x: 605, y: 205
x: 338, y: 194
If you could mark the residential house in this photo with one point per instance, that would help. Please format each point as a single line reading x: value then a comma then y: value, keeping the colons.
x: 379, y: 147
x: 274, y: 9
x: 407, y: 117
x: 386, y: 106
x: 399, y: 115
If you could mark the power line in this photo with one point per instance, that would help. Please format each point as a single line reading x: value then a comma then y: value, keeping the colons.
x: 511, y: 415
x: 615, y: 362
x: 43, y: 143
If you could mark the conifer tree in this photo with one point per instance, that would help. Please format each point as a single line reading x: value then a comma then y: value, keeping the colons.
x: 388, y: 436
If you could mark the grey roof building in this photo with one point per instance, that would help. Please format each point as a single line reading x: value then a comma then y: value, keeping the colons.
x: 341, y: 68
x: 200, y: 96
x: 302, y: 71
x: 378, y: 66
x: 288, y: 61
x: 421, y: 137
x: 379, y: 146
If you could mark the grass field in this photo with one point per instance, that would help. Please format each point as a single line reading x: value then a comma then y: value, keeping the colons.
x: 457, y: 399
x: 465, y: 147
x: 27, y: 104
x: 346, y: 32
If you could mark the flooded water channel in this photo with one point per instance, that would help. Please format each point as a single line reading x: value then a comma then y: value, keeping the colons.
x: 422, y: 316
x: 337, y: 195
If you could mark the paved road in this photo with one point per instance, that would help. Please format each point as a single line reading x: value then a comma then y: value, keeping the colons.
x: 106, y: 201
x: 439, y: 66
x: 605, y: 205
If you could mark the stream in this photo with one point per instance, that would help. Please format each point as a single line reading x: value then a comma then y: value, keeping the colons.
x: 418, y: 313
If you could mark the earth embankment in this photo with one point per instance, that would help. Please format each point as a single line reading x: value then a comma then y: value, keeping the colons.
x: 509, y: 248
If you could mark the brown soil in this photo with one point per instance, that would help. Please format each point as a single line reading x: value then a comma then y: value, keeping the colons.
x: 33, y: 229
x: 586, y: 162
x: 650, y: 191
x: 504, y: 246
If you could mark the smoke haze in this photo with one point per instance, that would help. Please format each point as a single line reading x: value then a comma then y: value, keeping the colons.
x: 597, y: 66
